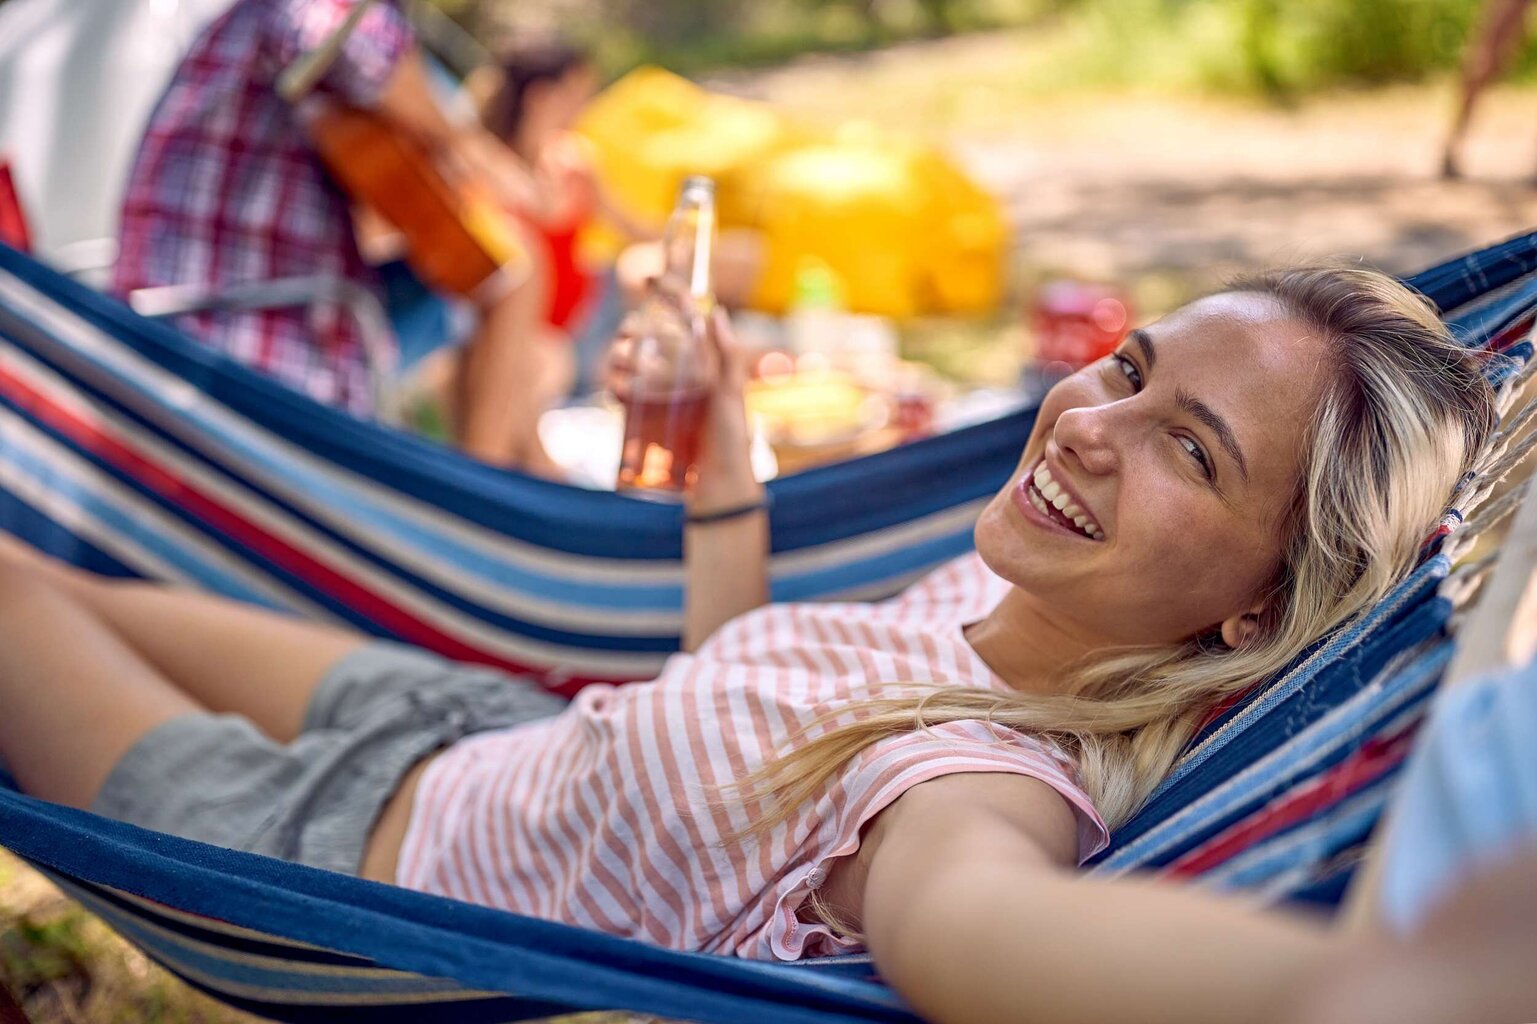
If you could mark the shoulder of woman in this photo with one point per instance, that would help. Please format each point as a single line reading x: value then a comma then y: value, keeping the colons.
x: 948, y: 822
x: 985, y: 766
x: 973, y: 814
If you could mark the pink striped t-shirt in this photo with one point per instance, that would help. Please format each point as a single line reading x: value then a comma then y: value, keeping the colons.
x: 609, y: 815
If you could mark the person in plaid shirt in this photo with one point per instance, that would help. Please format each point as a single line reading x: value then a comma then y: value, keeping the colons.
x: 226, y: 188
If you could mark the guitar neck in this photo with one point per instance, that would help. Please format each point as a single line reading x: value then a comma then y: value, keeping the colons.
x: 300, y: 78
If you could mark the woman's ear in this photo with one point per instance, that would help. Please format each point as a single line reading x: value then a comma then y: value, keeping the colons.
x: 1241, y: 629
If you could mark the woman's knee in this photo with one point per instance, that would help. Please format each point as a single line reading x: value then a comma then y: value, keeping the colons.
x: 22, y: 584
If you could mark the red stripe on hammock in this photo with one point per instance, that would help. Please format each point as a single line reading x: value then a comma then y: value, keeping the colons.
x: 1375, y: 759
x: 13, y: 219
x: 395, y: 619
x: 1517, y: 331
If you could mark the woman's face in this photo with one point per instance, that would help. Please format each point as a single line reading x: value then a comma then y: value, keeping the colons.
x: 556, y: 104
x: 1176, y: 458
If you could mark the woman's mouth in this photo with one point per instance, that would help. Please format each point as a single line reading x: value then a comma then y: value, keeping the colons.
x: 1045, y: 497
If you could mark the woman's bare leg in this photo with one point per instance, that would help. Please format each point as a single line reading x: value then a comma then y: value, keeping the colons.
x: 73, y: 696
x: 224, y: 656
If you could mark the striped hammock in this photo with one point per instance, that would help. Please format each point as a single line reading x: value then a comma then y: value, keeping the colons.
x: 129, y: 450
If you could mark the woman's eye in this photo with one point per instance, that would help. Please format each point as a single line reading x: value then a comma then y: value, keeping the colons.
x: 1198, y: 454
x: 1129, y: 370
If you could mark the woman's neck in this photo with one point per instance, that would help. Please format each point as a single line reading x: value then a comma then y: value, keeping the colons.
x: 1025, y: 645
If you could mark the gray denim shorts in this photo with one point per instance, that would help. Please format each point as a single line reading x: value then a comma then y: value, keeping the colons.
x: 379, y: 710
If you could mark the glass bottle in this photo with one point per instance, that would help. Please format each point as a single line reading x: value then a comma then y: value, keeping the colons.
x: 674, y: 364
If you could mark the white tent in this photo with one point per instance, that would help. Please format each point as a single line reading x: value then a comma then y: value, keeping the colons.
x: 77, y: 81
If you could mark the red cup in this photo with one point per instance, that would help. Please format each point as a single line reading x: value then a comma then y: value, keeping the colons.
x: 1074, y: 323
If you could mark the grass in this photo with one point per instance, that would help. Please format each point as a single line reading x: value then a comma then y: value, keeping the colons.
x: 65, y: 967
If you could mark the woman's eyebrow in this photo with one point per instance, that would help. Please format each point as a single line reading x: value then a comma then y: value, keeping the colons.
x: 1195, y: 407
x: 1145, y: 343
x: 1225, y: 436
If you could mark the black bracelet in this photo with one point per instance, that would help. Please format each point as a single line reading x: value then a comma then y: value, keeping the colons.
x: 734, y: 512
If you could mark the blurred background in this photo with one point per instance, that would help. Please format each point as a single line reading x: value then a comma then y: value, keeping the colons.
x: 1139, y: 151
x: 1159, y: 145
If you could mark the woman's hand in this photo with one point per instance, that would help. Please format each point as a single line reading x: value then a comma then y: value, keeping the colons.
x: 725, y: 559
x: 724, y: 477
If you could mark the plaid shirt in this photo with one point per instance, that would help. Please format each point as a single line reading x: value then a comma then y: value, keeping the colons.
x: 226, y: 189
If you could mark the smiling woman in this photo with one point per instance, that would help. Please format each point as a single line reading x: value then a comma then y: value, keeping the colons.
x: 1188, y: 514
x: 1236, y: 481
x: 1185, y: 448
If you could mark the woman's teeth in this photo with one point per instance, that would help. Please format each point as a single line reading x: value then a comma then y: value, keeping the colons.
x: 1047, y: 491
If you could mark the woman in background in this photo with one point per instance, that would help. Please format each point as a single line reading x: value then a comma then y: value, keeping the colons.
x: 539, y: 91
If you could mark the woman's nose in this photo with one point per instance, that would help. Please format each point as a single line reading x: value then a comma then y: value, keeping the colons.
x: 1087, y: 434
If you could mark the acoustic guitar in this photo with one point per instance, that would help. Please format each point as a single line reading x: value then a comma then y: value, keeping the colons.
x: 458, y: 238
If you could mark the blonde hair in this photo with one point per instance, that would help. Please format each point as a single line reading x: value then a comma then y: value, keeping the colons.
x: 1403, y: 416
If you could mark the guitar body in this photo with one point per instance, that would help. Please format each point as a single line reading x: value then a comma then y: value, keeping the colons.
x: 457, y: 240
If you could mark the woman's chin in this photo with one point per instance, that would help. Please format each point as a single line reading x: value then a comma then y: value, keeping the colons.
x: 1004, y: 544
x: 1026, y: 548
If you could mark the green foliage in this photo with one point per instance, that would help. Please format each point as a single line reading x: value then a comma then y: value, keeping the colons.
x: 1271, y: 48
x: 35, y: 952
x: 1275, y: 48
x: 690, y: 36
x: 1367, y: 42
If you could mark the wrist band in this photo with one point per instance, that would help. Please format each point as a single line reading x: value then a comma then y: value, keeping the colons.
x: 733, y: 512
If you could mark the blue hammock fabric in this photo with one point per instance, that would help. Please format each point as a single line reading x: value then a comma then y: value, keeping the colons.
x: 128, y: 449
x: 132, y: 450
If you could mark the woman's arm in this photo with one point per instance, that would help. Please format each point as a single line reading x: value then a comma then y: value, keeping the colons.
x: 971, y: 915
x: 725, y: 562
x: 725, y: 569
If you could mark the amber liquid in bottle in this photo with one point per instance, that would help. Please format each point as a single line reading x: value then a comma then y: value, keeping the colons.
x: 661, y: 440
x: 666, y: 403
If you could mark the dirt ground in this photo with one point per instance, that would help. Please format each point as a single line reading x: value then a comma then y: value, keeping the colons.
x: 1116, y: 186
